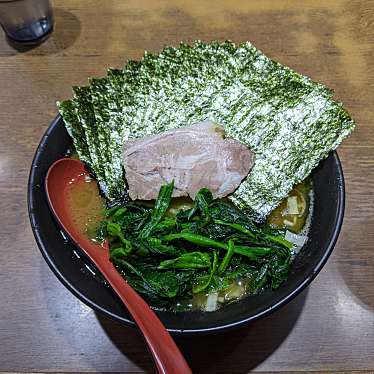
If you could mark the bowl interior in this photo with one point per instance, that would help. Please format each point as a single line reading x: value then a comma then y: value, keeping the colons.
x: 82, y: 279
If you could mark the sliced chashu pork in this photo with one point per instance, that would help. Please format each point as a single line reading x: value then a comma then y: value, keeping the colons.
x: 193, y: 156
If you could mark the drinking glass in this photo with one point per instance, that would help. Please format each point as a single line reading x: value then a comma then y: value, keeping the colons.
x: 26, y: 21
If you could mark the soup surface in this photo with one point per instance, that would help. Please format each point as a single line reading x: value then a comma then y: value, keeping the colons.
x: 293, y: 214
x: 86, y: 205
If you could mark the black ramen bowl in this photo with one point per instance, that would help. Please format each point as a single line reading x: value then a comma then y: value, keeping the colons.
x: 84, y: 281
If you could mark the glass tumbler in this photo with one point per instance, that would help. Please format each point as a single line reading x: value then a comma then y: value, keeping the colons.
x: 26, y: 21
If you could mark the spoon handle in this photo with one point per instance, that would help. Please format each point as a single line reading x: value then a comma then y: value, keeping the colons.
x: 167, y: 356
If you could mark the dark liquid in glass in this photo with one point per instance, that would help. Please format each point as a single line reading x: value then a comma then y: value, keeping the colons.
x: 26, y: 21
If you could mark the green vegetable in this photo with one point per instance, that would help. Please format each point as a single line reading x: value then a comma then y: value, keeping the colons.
x: 161, y: 206
x: 114, y: 230
x: 195, y: 239
x: 202, y: 200
x: 190, y: 260
x: 204, y: 281
x: 236, y: 227
x: 226, y: 260
x: 289, y: 121
x: 200, y: 250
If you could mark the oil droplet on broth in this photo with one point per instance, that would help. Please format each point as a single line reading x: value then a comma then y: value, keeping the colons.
x: 85, y: 204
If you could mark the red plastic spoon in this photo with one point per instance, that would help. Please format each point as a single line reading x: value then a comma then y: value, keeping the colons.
x: 166, y: 355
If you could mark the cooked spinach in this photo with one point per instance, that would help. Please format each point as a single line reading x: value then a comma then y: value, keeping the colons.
x: 203, y: 249
x: 161, y: 206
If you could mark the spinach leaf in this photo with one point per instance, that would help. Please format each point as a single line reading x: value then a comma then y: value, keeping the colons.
x: 114, y: 231
x: 226, y: 260
x: 236, y: 227
x: 201, y: 204
x: 161, y: 206
x: 163, y: 284
x: 195, y: 239
x: 203, y: 282
x: 189, y: 260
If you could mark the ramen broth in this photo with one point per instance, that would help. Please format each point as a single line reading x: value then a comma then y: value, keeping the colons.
x: 87, y: 207
x: 293, y: 211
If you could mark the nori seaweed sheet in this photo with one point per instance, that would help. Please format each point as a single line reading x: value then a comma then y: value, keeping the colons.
x: 289, y: 121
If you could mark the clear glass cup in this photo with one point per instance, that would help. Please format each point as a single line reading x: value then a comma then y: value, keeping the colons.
x: 26, y: 21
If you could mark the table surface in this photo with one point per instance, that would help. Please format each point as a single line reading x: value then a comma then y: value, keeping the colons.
x: 329, y: 327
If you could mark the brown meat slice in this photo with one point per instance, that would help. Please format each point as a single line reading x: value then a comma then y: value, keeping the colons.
x: 194, y: 156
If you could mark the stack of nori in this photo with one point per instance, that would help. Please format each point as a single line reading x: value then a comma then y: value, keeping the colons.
x: 289, y: 121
